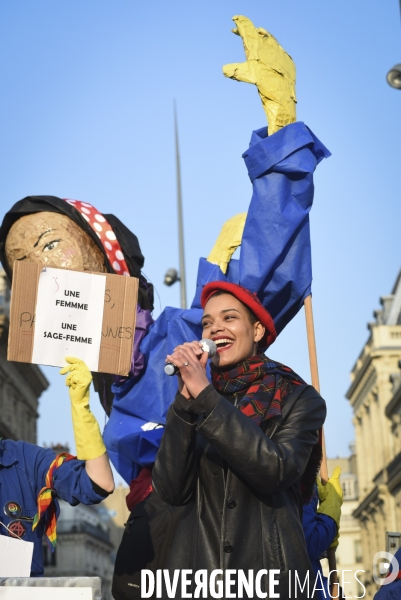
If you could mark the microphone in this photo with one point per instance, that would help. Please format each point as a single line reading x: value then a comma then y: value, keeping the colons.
x: 207, y: 346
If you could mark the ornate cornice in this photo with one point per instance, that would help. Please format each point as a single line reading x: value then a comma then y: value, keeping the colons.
x: 392, y: 405
x: 363, y: 385
x: 384, y: 339
x: 371, y: 503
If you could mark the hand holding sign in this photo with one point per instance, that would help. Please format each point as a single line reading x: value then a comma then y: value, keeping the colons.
x: 78, y: 380
x: 88, y: 439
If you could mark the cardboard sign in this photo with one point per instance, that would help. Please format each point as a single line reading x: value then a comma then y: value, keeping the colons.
x: 56, y: 313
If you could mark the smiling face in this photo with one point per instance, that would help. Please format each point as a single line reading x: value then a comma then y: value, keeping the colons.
x: 227, y: 322
x: 53, y: 240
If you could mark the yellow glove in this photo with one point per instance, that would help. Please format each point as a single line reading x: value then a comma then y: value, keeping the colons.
x: 270, y: 68
x: 228, y: 241
x: 88, y: 439
x: 331, y: 499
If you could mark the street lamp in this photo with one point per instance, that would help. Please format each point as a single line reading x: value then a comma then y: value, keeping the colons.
x: 394, y: 77
x: 171, y: 277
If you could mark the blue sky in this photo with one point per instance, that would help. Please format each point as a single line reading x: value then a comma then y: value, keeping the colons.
x: 87, y: 112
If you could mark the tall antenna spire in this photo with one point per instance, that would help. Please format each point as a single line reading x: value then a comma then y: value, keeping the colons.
x: 180, y: 220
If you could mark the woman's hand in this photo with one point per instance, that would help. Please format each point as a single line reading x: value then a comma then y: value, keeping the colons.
x: 191, y: 361
x: 78, y: 380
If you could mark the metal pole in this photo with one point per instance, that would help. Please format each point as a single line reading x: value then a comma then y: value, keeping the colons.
x: 180, y: 222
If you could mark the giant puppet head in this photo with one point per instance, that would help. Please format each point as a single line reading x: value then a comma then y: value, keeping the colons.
x: 74, y: 235
x: 70, y: 234
x: 53, y: 240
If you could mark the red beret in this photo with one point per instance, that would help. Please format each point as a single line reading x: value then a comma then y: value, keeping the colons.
x: 250, y: 300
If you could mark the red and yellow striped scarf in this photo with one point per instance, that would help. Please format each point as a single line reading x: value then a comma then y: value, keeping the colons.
x: 46, y: 502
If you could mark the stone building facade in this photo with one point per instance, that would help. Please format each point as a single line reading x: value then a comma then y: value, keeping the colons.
x: 84, y: 548
x: 375, y: 397
x: 119, y: 513
x: 349, y: 551
x: 21, y: 384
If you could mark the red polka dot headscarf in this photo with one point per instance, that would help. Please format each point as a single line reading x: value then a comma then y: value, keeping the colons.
x: 105, y: 234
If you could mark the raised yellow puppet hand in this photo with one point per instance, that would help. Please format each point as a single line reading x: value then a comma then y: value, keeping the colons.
x: 270, y: 68
x: 88, y: 439
x: 331, y: 499
x: 229, y: 239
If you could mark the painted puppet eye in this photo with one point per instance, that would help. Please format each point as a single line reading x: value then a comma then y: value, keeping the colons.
x: 51, y: 245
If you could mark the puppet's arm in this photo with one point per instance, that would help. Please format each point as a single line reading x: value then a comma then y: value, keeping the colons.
x: 88, y: 439
x: 270, y: 68
x: 228, y: 241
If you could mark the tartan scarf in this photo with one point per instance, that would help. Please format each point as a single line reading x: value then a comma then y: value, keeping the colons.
x: 46, y: 503
x: 261, y: 384
x: 261, y: 387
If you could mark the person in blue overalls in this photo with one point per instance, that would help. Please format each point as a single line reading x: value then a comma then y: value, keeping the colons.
x: 32, y: 478
x: 321, y: 527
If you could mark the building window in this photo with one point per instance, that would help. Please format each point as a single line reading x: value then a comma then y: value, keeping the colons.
x: 348, y: 486
x: 358, y: 551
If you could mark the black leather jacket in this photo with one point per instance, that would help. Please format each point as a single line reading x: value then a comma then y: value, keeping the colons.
x: 241, y: 485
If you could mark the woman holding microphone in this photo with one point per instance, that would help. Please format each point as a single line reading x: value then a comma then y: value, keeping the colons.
x: 241, y: 453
